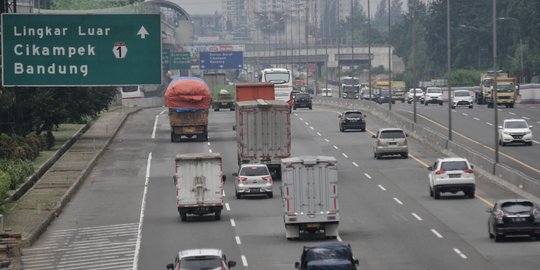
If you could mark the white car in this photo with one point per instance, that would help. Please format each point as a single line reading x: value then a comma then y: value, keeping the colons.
x: 433, y: 95
x: 462, y: 98
x: 326, y: 92
x: 515, y: 131
x: 201, y: 259
x: 451, y: 175
x: 419, y: 95
x: 253, y: 179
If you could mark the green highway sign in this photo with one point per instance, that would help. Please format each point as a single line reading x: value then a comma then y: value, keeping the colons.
x: 81, y: 50
x: 180, y: 60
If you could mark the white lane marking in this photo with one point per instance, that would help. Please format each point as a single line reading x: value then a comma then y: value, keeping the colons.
x: 436, y: 233
x: 233, y: 223
x: 367, y: 175
x: 307, y: 124
x: 454, y: 111
x: 155, y: 127
x: 244, y: 260
x: 354, y: 163
x: 460, y: 253
x: 238, y: 242
x: 318, y: 133
x: 311, y: 128
x: 339, y: 239
x: 336, y: 147
x: 398, y: 201
x: 526, y: 118
x: 345, y: 155
x: 536, y: 141
x: 141, y: 217
x: 511, y: 113
x: 538, y: 122
x: 227, y: 207
x: 208, y: 143
x: 327, y: 140
x: 476, y: 118
x: 381, y: 187
x: 464, y: 114
x: 416, y: 216
x: 489, y: 123
x: 210, y: 150
x: 500, y: 110
x: 301, y: 119
x: 162, y: 112
x: 223, y: 193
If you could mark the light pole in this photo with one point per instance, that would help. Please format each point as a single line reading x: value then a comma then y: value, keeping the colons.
x: 522, y: 79
x: 449, y: 70
x: 369, y: 47
x: 494, y: 91
x: 389, y: 59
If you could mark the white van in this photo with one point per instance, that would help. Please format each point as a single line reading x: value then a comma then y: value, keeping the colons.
x: 462, y: 98
x: 133, y: 91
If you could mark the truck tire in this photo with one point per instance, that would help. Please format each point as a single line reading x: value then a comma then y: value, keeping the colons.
x: 511, y: 105
x: 436, y: 193
x: 183, y: 215
x: 216, y: 109
x: 217, y: 214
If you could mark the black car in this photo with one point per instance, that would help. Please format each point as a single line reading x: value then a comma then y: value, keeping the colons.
x: 513, y: 217
x: 331, y: 256
x: 384, y: 97
x: 352, y: 120
x: 302, y: 100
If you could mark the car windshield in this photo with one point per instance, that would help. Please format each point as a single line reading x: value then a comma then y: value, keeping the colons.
x: 392, y: 134
x: 515, y: 124
x: 434, y: 90
x: 254, y: 171
x: 505, y: 87
x: 462, y: 94
x: 454, y: 165
x: 277, y: 77
x: 353, y: 114
x: 200, y: 263
x: 418, y: 91
x: 350, y: 81
x: 327, y: 253
x: 517, y: 207
x: 299, y: 96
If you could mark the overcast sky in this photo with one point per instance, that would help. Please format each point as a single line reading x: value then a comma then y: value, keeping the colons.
x: 199, y: 6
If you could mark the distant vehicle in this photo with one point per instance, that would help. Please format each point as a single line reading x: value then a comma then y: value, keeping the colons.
x: 350, y: 87
x: 515, y: 131
x: 324, y: 256
x: 352, y: 120
x: 433, y: 95
x: 302, y: 100
x: 201, y: 259
x: 198, y: 180
x: 462, y: 98
x: 223, y: 94
x: 293, y: 93
x: 398, y: 89
x: 419, y: 95
x: 364, y: 94
x: 282, y: 80
x: 451, y: 175
x: 326, y: 92
x: 384, y: 97
x: 390, y: 141
x: 253, y: 179
x: 129, y: 92
x: 513, y: 217
x: 506, y: 89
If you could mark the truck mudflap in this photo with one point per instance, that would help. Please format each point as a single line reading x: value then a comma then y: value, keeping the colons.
x: 327, y: 230
x: 200, y: 210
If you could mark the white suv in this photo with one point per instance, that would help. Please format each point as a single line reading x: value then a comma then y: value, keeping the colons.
x: 411, y: 95
x: 462, y: 98
x: 253, y: 179
x: 515, y: 131
x: 201, y: 259
x: 433, y: 95
x: 451, y: 175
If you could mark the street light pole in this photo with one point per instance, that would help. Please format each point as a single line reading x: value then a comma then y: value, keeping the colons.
x: 389, y: 60
x: 449, y: 70
x: 494, y: 91
x: 369, y: 46
x: 522, y: 79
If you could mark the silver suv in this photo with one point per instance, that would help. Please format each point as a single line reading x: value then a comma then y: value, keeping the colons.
x: 390, y: 141
x: 433, y: 95
x: 451, y: 175
x: 201, y: 259
x: 253, y: 179
x: 515, y: 131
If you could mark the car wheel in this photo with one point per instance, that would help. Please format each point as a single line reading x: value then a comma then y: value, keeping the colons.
x: 430, y: 192
x: 470, y: 107
x: 294, y: 108
x: 341, y: 129
x: 498, y: 238
x: 405, y: 155
x: 238, y: 196
x: 183, y: 215
x: 310, y: 107
x: 425, y: 103
x: 470, y: 194
x: 270, y: 195
x: 436, y: 194
x: 529, y: 143
x: 408, y: 102
x: 489, y: 232
x: 503, y: 144
x: 376, y: 156
x: 217, y: 214
x: 453, y: 107
x: 440, y: 103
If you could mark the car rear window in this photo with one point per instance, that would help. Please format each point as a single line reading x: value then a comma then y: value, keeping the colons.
x: 517, y: 207
x: 462, y: 94
x: 254, y: 171
x: 353, y: 114
x: 434, y: 90
x: 454, y: 165
x: 515, y: 124
x: 200, y: 262
x: 302, y: 96
x: 392, y: 134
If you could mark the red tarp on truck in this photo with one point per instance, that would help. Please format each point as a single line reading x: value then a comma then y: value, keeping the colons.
x: 188, y: 92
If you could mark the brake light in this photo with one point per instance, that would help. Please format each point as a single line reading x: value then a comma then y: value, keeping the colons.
x: 267, y: 178
x: 440, y: 172
x: 242, y: 179
x: 405, y: 141
x: 379, y: 143
x: 468, y: 171
x: 499, y: 215
x: 536, y: 213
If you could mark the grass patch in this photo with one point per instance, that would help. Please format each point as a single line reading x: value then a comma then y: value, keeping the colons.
x: 61, y: 135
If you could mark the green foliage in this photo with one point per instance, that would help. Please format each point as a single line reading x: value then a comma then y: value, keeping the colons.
x: 17, y: 169
x: 5, y: 182
x: 465, y: 77
x: 90, y: 4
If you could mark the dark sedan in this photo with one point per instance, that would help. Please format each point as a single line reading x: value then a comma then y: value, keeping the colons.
x: 384, y: 97
x: 513, y: 217
x: 302, y: 100
x: 352, y: 120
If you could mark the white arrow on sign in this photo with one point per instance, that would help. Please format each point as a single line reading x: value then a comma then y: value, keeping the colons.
x: 142, y: 32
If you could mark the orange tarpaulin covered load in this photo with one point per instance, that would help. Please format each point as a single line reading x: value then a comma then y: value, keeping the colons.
x: 188, y: 92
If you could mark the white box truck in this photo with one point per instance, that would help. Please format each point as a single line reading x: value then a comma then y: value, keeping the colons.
x: 309, y: 196
x: 263, y: 133
x: 199, y: 181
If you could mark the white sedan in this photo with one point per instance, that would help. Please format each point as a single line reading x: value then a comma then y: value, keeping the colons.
x: 326, y: 92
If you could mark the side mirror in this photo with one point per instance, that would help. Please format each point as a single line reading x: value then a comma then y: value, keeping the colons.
x: 489, y: 210
x: 472, y: 166
x: 406, y: 135
x: 170, y: 266
x: 231, y: 264
x: 530, y: 127
x: 430, y: 168
x: 356, y: 262
x: 235, y: 174
x: 297, y: 265
x: 373, y: 136
x: 174, y: 179
x: 223, y: 178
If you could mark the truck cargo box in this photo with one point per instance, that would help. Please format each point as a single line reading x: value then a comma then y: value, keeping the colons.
x: 199, y: 184
x: 310, y: 195
x: 253, y: 91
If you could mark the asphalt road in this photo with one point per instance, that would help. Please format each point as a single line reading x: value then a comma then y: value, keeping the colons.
x: 124, y: 215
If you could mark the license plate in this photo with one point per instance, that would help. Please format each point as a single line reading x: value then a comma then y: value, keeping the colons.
x: 454, y: 175
x: 392, y: 143
x: 518, y: 137
x: 189, y: 129
x: 313, y: 225
x: 518, y: 219
x: 224, y: 103
x: 254, y: 190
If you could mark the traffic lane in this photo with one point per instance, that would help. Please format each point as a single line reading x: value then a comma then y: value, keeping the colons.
x: 163, y: 233
x: 470, y: 225
x: 471, y: 131
x: 368, y: 208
